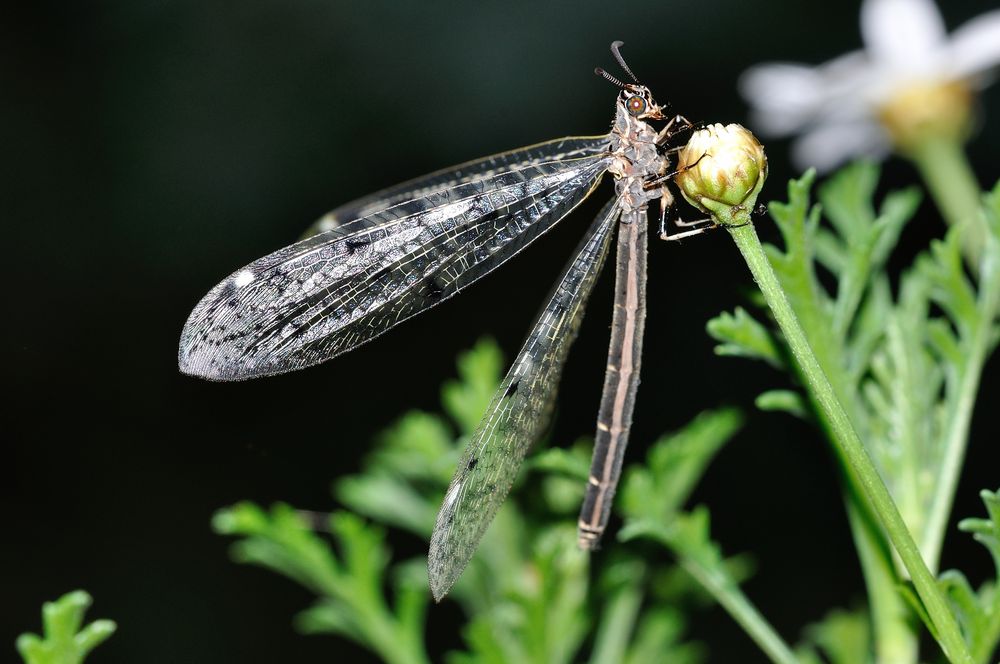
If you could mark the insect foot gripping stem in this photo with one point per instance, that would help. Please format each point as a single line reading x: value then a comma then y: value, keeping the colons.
x: 721, y: 171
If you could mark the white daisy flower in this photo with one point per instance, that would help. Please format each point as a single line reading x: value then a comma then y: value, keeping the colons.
x: 911, y: 78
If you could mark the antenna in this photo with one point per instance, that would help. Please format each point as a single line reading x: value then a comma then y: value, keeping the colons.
x: 605, y: 75
x: 615, y: 46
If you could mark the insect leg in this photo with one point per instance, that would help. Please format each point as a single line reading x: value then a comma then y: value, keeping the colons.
x: 708, y: 225
x: 702, y: 225
x: 666, y: 177
x: 669, y: 131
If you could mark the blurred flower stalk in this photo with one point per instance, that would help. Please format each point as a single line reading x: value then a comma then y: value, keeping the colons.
x: 910, y: 90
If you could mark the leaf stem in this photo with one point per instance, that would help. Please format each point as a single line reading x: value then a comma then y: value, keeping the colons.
x: 845, y: 436
x: 618, y: 622
x: 895, y: 641
x: 953, y: 185
x: 957, y: 435
x: 741, y: 609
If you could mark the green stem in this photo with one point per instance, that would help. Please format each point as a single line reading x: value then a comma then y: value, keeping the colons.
x: 617, y: 623
x: 732, y: 599
x: 953, y: 185
x: 846, y: 437
x: 894, y: 639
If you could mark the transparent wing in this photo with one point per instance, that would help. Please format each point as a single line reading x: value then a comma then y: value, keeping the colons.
x: 334, y: 291
x: 517, y: 414
x: 557, y: 150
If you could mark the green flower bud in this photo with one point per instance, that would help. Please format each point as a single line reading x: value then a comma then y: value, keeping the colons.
x: 721, y: 171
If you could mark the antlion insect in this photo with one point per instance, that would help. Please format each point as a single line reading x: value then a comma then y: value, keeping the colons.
x: 379, y: 260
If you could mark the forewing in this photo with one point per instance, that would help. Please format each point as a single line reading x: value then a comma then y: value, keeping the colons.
x: 518, y: 413
x: 557, y: 150
x: 334, y: 291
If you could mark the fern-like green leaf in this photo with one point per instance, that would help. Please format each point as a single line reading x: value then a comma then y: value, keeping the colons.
x: 905, y: 368
x: 64, y: 640
x: 844, y: 637
x: 479, y: 371
x: 788, y: 401
x: 545, y: 619
x: 418, y: 447
x: 526, y: 591
x: 657, y: 639
x: 349, y: 585
x: 657, y: 489
x: 978, y: 611
x: 741, y: 335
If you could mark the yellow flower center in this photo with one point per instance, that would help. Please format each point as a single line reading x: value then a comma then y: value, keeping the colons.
x: 931, y: 109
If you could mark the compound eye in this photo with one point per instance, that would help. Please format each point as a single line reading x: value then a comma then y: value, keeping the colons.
x: 636, y: 105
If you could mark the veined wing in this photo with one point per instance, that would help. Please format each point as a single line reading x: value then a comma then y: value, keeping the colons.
x: 332, y: 292
x: 563, y: 148
x: 518, y: 413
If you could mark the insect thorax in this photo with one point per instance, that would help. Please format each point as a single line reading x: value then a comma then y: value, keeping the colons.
x: 636, y: 160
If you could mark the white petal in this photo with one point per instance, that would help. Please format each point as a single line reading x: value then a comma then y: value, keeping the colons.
x: 777, y: 125
x: 786, y: 97
x: 846, y: 67
x: 781, y: 84
x: 907, y: 35
x: 975, y: 47
x: 847, y: 81
x: 828, y: 146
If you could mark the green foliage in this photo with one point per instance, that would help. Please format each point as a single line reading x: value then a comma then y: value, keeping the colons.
x: 543, y: 619
x: 978, y: 611
x: 906, y: 368
x: 479, y: 371
x: 853, y: 251
x: 527, y: 593
x: 63, y: 640
x: 349, y: 585
x: 742, y: 336
x: 656, y: 490
x: 904, y: 361
x: 844, y: 637
x: 653, y: 495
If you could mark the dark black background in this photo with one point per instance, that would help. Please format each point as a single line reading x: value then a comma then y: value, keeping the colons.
x: 151, y: 147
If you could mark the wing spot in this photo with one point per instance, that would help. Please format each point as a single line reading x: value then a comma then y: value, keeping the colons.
x: 434, y: 287
x: 242, y: 278
x: 451, y: 496
x: 353, y: 245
